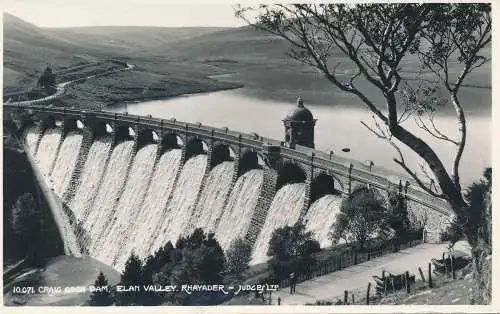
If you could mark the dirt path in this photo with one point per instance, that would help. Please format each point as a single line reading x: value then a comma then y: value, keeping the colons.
x: 357, y: 277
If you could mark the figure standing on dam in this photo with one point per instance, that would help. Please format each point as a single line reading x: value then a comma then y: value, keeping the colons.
x: 299, y: 126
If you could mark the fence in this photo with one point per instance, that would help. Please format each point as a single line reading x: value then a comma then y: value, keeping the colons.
x: 348, y: 257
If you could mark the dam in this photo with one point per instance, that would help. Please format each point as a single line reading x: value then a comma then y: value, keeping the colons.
x: 132, y: 183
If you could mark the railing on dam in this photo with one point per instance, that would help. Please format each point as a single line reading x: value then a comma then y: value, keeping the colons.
x: 355, y: 170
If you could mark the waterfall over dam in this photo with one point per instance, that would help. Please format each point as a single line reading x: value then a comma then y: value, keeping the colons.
x: 31, y: 136
x: 93, y: 168
x: 180, y: 208
x: 321, y: 216
x: 237, y: 215
x: 153, y: 210
x: 47, y: 150
x: 103, y: 207
x: 127, y: 192
x: 128, y: 208
x: 213, y: 196
x: 284, y: 211
x: 65, y: 162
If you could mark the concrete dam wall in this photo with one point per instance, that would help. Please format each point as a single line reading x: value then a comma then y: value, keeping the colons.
x: 131, y: 183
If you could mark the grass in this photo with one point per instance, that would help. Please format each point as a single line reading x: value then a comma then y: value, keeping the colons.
x: 135, y: 85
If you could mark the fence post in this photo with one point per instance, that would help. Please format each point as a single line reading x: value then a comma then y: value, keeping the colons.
x: 352, y: 295
x: 345, y: 297
x: 430, y: 276
x: 452, y: 268
x: 445, y: 267
x: 407, y: 282
x: 368, y: 293
x: 421, y: 274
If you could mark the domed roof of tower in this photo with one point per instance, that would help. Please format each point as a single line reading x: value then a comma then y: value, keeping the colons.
x: 300, y: 113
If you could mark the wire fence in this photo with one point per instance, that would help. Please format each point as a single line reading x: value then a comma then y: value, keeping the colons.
x: 348, y: 257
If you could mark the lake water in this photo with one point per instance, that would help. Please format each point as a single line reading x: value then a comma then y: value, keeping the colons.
x: 337, y: 127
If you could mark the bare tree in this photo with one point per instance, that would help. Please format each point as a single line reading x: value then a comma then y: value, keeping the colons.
x: 376, y: 39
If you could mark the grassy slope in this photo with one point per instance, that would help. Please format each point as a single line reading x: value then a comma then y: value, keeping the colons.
x: 28, y: 49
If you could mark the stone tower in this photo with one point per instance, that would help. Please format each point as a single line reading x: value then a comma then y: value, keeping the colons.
x: 299, y: 126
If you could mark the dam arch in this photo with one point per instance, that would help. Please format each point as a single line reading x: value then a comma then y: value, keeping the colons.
x: 364, y: 188
x: 249, y: 159
x: 171, y: 141
x: 290, y: 172
x: 195, y: 146
x: 123, y: 133
x: 145, y: 137
x: 323, y: 184
x: 220, y: 153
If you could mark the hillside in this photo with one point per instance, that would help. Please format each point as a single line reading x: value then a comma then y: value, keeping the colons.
x: 260, y: 62
x: 28, y: 49
x: 128, y: 39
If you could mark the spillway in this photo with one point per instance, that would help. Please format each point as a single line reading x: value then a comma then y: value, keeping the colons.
x: 213, y: 197
x: 32, y: 139
x: 119, y: 232
x: 153, y: 208
x: 235, y: 220
x: 321, y: 216
x: 47, y: 151
x: 65, y: 162
x: 102, y: 208
x: 284, y: 210
x: 90, y: 177
x: 181, y: 206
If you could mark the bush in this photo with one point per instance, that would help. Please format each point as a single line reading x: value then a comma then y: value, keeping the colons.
x: 238, y: 256
x: 131, y: 276
x: 291, y: 249
x: 198, y: 259
x: 101, y: 297
x: 361, y: 218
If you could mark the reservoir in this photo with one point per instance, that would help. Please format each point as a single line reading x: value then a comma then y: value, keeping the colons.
x: 338, y: 127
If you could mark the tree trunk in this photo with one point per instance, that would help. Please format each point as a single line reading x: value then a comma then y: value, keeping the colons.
x: 481, y: 259
x: 448, y: 188
x: 481, y: 262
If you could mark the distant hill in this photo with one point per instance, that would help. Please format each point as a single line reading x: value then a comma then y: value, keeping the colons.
x: 123, y: 39
x: 28, y: 49
x: 243, y: 43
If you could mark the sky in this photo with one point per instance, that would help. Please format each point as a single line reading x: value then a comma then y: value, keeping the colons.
x: 64, y: 13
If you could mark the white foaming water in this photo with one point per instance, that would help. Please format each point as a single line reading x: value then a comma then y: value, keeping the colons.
x: 213, y: 196
x: 47, y: 151
x: 90, y: 177
x: 31, y: 139
x: 284, y: 211
x: 152, y: 214
x: 65, y: 162
x: 321, y: 216
x: 119, y: 230
x: 237, y: 215
x: 102, y: 208
x: 181, y: 206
